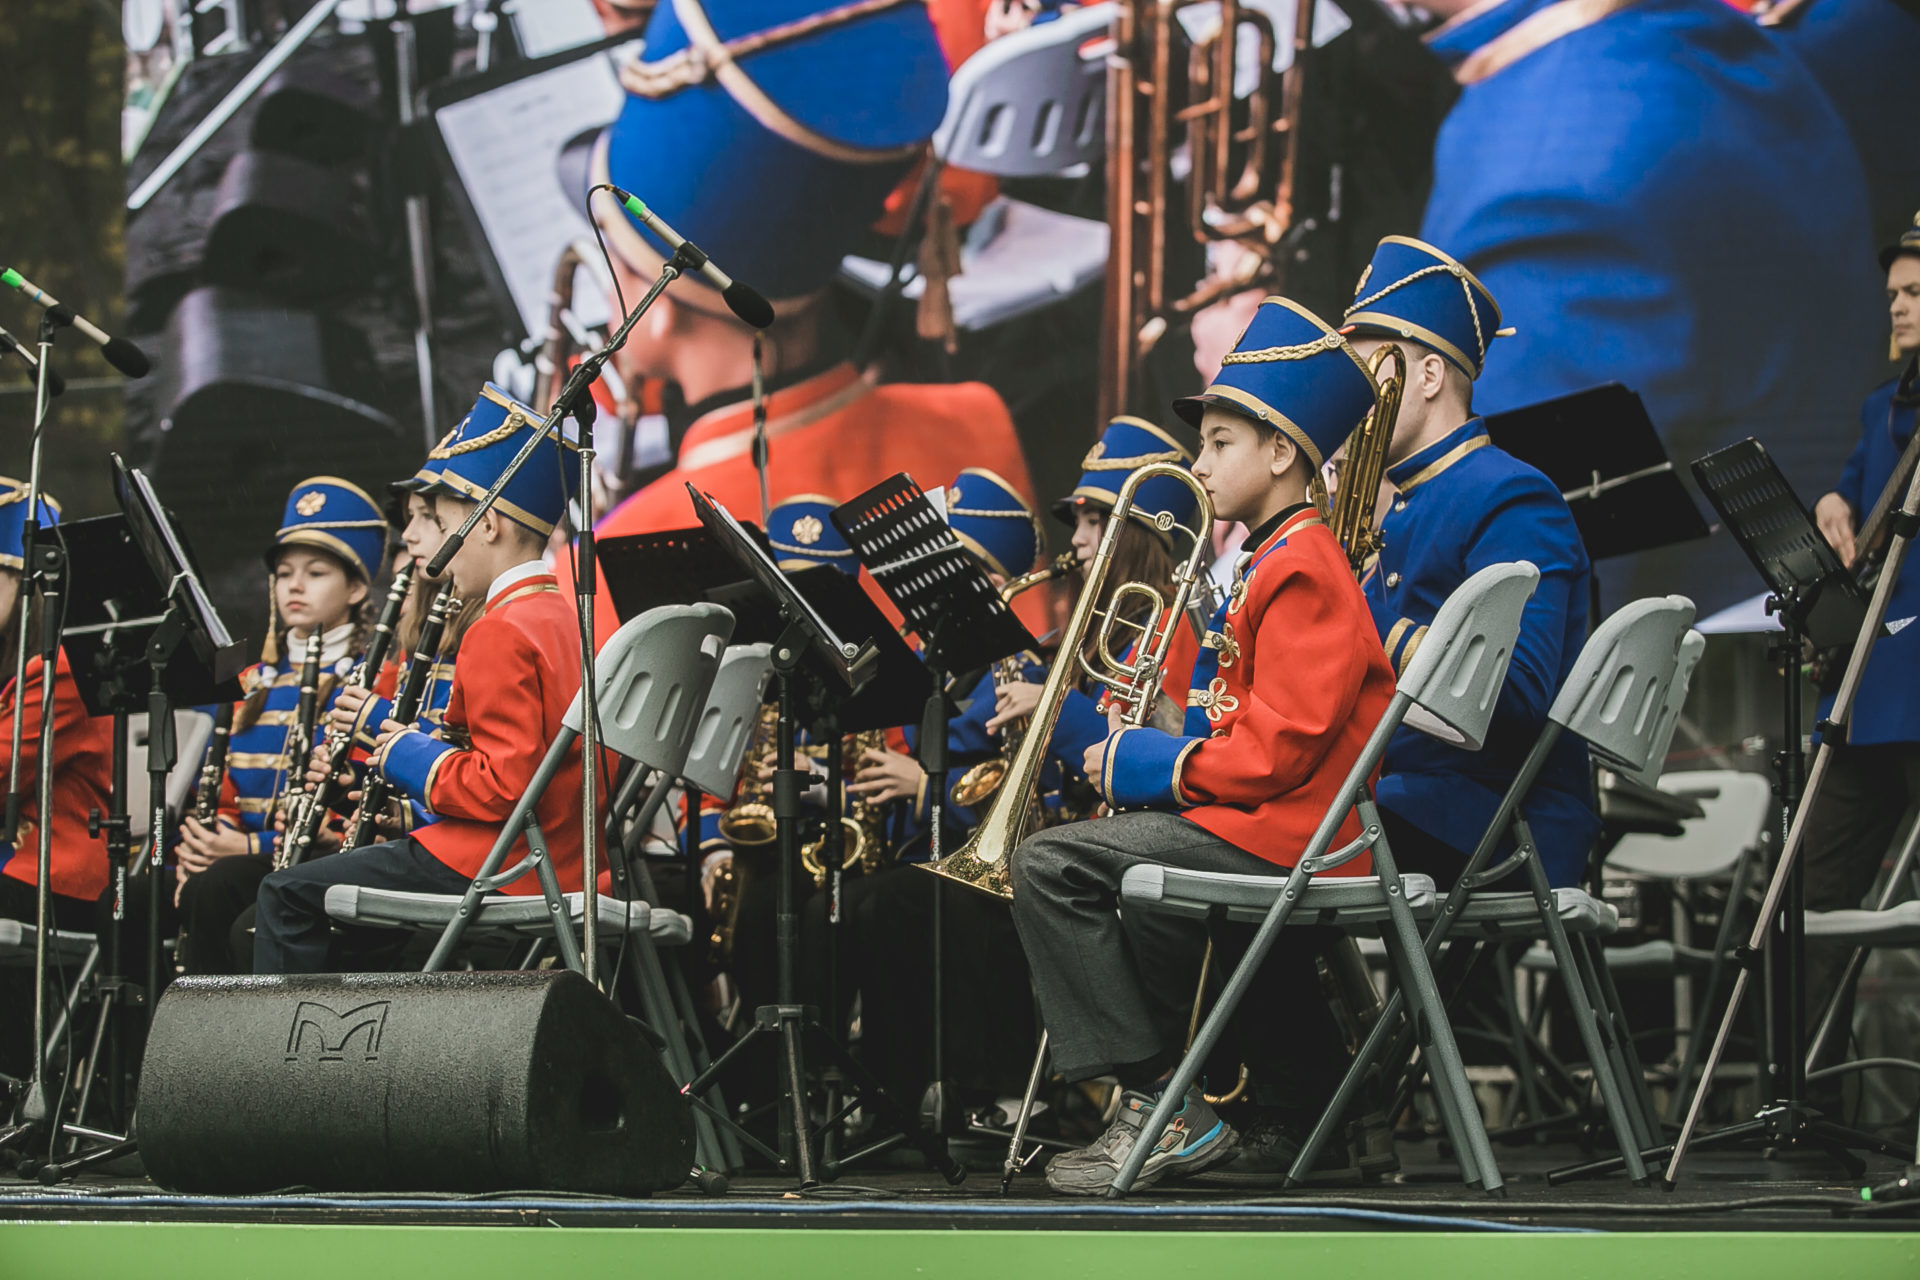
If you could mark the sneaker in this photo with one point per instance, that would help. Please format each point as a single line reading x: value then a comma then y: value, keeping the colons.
x: 1265, y: 1154
x: 1194, y: 1139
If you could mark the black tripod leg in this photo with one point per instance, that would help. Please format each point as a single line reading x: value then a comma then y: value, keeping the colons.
x: 794, y: 1103
x: 870, y: 1092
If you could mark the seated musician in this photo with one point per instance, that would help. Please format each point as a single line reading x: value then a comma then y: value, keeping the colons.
x: 519, y: 672
x: 83, y: 747
x: 1459, y: 505
x: 1874, y: 774
x: 331, y: 542
x: 1284, y: 697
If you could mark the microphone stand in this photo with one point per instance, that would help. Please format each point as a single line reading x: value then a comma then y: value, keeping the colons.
x: 687, y: 257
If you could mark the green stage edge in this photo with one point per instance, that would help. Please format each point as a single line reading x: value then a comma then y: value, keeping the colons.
x: 246, y: 1251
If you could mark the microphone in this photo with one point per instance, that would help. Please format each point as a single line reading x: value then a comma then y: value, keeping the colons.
x: 741, y: 300
x: 55, y: 383
x: 120, y: 353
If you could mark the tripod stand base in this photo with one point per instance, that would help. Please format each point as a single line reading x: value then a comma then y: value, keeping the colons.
x: 798, y: 1027
x: 1788, y: 1126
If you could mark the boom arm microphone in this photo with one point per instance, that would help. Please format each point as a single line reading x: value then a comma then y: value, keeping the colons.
x: 741, y: 300
x: 120, y: 353
x: 55, y: 383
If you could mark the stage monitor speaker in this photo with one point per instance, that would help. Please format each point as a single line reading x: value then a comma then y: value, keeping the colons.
x: 406, y: 1082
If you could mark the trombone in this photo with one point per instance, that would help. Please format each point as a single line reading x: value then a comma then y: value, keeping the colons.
x: 981, y: 863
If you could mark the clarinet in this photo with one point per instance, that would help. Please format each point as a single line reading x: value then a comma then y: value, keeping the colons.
x: 300, y: 734
x: 309, y: 809
x: 406, y: 708
x: 213, y: 771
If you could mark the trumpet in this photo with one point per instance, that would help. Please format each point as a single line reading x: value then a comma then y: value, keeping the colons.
x: 982, y: 862
x: 980, y: 781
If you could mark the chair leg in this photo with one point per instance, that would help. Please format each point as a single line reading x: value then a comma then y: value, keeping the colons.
x: 1629, y: 1053
x: 1443, y: 1054
x: 1371, y: 1049
x: 1592, y: 1034
x: 1522, y: 1053
x: 656, y: 1003
x: 557, y: 912
x: 1210, y: 1031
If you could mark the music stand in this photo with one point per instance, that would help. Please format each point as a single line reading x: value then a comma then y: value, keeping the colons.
x: 809, y: 649
x: 140, y: 631
x: 1600, y: 449
x: 1816, y: 599
x: 943, y: 592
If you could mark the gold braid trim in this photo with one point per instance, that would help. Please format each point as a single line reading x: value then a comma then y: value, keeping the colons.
x: 697, y: 63
x: 1299, y: 351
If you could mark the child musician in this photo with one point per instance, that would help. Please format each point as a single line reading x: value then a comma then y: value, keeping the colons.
x: 1291, y: 683
x: 332, y: 541
x: 519, y: 672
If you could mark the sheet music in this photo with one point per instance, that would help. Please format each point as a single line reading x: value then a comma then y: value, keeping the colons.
x: 505, y: 144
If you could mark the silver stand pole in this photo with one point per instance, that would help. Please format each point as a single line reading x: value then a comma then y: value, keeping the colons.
x: 589, y: 738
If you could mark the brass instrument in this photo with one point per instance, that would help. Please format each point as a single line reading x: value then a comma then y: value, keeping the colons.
x: 1240, y: 187
x: 981, y: 863
x: 1365, y: 462
x: 748, y: 822
x: 309, y: 809
x: 299, y: 739
x: 980, y: 781
x: 406, y: 708
x: 213, y: 770
x: 566, y: 336
x: 865, y: 844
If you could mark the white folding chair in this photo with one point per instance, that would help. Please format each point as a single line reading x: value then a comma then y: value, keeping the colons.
x: 1456, y: 678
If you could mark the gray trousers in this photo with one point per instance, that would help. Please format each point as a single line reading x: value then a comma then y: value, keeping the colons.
x: 1116, y: 987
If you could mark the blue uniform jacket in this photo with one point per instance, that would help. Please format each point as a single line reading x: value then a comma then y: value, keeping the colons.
x: 1464, y: 505
x: 1666, y: 198
x: 258, y: 757
x: 1888, y: 706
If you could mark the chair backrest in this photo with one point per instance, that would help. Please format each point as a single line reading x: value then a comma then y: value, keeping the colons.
x: 1740, y: 809
x: 1031, y: 104
x: 1457, y: 672
x: 726, y: 724
x: 1692, y: 645
x: 191, y: 731
x: 652, y: 678
x: 1616, y: 695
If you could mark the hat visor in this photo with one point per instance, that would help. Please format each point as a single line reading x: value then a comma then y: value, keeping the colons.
x: 1068, y: 509
x: 1904, y: 249
x: 1194, y: 408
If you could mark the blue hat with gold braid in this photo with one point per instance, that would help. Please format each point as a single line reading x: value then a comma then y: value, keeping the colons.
x: 1124, y: 447
x: 770, y: 132
x: 1908, y: 243
x: 1292, y: 373
x: 13, y: 521
x: 487, y: 441
x: 335, y: 516
x: 422, y: 480
x: 993, y: 521
x: 803, y: 535
x: 1412, y: 290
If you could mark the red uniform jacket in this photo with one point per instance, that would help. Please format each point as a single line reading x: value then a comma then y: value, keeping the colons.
x: 518, y: 672
x: 1293, y: 683
x: 834, y: 434
x: 84, y: 750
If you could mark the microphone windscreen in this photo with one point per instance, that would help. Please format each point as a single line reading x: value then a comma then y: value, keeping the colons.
x: 127, y: 358
x: 748, y: 305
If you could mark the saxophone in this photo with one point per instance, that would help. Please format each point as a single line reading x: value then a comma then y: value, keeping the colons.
x: 980, y: 781
x: 300, y: 733
x: 309, y: 809
x: 406, y: 708
x: 865, y: 845
x: 748, y: 821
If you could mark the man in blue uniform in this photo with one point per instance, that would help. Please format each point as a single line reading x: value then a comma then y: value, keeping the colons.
x: 1660, y: 195
x: 1460, y: 505
x: 1873, y: 777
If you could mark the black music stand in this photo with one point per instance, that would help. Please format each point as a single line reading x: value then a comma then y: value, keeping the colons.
x: 942, y: 591
x: 809, y: 651
x: 1817, y: 600
x: 1600, y: 449
x: 140, y: 632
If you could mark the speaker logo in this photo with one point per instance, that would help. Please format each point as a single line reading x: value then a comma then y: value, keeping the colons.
x: 318, y: 1028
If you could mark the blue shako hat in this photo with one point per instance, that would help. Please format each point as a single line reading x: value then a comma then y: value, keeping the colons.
x: 1908, y: 243
x: 1292, y: 373
x: 335, y: 516
x: 993, y: 521
x: 478, y: 452
x: 1412, y: 290
x: 423, y: 480
x: 802, y: 532
x: 769, y: 132
x: 1125, y: 446
x: 13, y: 521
